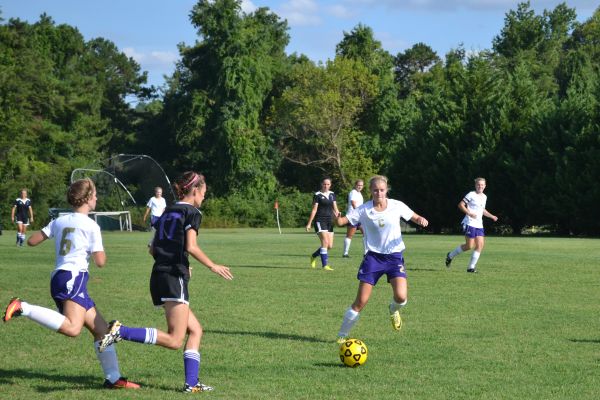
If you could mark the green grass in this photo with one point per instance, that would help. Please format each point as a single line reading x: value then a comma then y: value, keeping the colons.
x: 525, y: 327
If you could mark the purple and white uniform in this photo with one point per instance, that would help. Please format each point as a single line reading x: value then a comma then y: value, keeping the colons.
x: 475, y: 203
x: 357, y: 197
x: 156, y: 206
x: 383, y: 239
x: 76, y: 237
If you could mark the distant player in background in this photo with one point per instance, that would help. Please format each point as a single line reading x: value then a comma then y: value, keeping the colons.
x: 22, y: 215
x: 380, y: 219
x: 323, y: 211
x: 355, y: 199
x: 473, y: 206
x: 155, y: 206
x: 175, y: 238
x: 76, y: 237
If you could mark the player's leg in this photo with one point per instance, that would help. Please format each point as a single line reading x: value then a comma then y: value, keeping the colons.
x: 96, y: 324
x: 325, y: 238
x: 399, y: 300
x: 350, y: 230
x: 468, y: 245
x: 479, y: 242
x: 192, y: 358
x: 352, y: 314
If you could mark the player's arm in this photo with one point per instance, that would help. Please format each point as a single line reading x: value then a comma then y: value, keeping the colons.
x: 192, y: 248
x: 313, y: 212
x: 36, y: 238
x: 419, y: 220
x: 12, y: 214
x: 490, y: 215
x: 341, y: 220
x: 462, y: 206
x: 146, y: 214
x: 31, y: 213
x: 99, y: 258
x: 336, y: 211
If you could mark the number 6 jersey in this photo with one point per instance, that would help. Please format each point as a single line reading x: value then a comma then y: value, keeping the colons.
x: 76, y: 236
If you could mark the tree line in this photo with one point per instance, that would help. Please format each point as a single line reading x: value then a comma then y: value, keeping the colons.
x: 262, y: 124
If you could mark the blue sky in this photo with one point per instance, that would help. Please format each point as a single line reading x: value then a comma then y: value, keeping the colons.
x: 149, y: 30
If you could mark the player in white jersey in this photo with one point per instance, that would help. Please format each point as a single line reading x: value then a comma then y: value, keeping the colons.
x: 77, y: 237
x: 355, y: 199
x: 380, y: 219
x: 155, y: 206
x: 473, y: 206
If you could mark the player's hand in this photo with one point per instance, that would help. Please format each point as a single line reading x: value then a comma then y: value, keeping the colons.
x: 423, y: 222
x: 221, y: 270
x: 307, y: 227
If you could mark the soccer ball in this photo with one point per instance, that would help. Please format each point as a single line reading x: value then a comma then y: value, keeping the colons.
x: 353, y: 352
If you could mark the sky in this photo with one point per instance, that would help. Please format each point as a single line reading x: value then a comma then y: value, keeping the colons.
x: 149, y: 30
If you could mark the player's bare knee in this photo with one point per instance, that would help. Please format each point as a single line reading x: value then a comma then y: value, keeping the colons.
x: 71, y: 331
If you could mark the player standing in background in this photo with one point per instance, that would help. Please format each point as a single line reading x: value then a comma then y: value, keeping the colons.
x: 76, y: 237
x: 323, y: 211
x: 175, y: 238
x: 155, y: 206
x: 473, y: 205
x: 380, y: 219
x: 355, y: 199
x: 23, y: 212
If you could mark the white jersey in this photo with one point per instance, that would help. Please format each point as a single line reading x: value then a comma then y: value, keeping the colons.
x: 382, y: 229
x: 355, y: 196
x: 475, y: 203
x: 156, y: 206
x: 76, y: 236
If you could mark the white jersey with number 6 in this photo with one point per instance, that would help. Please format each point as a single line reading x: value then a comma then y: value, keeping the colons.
x: 76, y: 237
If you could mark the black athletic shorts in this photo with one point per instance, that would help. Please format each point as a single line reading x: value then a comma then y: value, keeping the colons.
x: 165, y: 286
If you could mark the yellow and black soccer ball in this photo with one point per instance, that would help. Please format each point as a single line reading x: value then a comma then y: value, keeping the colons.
x: 353, y: 352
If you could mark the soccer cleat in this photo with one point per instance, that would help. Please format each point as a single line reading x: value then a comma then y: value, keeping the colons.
x: 396, y: 320
x: 121, y: 383
x: 313, y: 262
x: 113, y: 336
x: 448, y: 260
x: 13, y: 309
x: 472, y: 270
x: 327, y: 268
x: 199, y: 387
x: 341, y: 339
x: 346, y: 256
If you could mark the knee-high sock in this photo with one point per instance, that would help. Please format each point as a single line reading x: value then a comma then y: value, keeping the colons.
x: 44, y: 316
x: 474, y: 259
x: 396, y: 306
x: 350, y: 318
x: 324, y: 256
x: 139, y: 335
x: 108, y: 362
x: 347, y: 242
x: 191, y: 365
x: 455, y: 252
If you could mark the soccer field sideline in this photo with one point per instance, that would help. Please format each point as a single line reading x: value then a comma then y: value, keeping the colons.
x: 526, y: 326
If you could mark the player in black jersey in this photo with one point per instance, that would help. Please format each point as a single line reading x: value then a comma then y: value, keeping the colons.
x: 22, y: 215
x: 323, y: 211
x: 175, y: 239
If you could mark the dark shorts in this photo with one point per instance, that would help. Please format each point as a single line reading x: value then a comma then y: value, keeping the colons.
x: 375, y: 265
x: 68, y: 285
x: 471, y: 232
x: 349, y: 225
x: 153, y: 219
x: 165, y: 287
x: 22, y: 218
x: 323, y: 226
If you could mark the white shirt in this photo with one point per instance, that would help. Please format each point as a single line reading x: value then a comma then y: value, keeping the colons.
x: 382, y: 229
x: 156, y: 206
x: 355, y: 196
x: 76, y: 237
x: 475, y: 203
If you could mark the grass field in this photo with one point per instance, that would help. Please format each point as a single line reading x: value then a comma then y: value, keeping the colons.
x: 526, y: 327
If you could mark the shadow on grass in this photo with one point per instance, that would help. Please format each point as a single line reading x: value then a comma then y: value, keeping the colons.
x: 266, y: 266
x: 270, y: 335
x: 60, y: 381
x: 584, y: 340
x: 330, y: 365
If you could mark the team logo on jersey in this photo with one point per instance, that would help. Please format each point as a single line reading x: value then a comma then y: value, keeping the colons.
x: 381, y: 222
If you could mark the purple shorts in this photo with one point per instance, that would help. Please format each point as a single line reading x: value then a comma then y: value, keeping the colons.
x: 68, y: 285
x: 375, y: 265
x: 471, y: 232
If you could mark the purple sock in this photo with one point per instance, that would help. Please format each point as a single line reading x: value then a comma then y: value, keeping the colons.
x: 324, y: 258
x: 140, y: 335
x: 316, y: 253
x: 191, y: 365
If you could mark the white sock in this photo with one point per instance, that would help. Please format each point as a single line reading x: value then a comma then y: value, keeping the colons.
x: 474, y: 259
x: 396, y: 306
x: 347, y: 242
x: 455, y: 252
x: 108, y: 362
x: 44, y: 316
x: 350, y: 318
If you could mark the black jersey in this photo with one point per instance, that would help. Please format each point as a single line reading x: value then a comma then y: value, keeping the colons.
x: 169, y: 242
x: 325, y: 208
x: 22, y: 210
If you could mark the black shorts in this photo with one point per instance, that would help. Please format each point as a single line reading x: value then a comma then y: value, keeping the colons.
x: 165, y: 286
x: 323, y: 225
